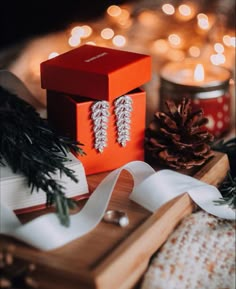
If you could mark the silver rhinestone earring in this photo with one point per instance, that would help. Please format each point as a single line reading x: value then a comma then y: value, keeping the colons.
x: 123, y: 108
x: 100, y: 115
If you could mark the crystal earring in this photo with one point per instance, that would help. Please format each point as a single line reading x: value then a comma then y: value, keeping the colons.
x: 100, y: 115
x: 123, y: 108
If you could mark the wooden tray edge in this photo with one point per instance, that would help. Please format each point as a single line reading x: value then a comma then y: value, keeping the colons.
x: 125, y: 260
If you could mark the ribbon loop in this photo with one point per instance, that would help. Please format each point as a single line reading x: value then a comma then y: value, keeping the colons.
x: 151, y: 190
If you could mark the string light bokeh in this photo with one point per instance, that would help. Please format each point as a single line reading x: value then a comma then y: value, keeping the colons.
x: 167, y: 30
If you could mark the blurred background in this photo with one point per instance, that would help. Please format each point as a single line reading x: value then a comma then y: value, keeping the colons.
x: 20, y: 21
x: 167, y: 30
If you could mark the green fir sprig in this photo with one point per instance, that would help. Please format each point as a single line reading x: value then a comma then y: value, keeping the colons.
x: 228, y: 187
x: 30, y: 146
x: 228, y: 191
x: 228, y: 147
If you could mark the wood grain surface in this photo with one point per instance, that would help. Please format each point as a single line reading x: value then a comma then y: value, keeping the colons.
x: 111, y: 256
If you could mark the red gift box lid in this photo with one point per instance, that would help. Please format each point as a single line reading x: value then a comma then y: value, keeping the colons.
x: 96, y: 72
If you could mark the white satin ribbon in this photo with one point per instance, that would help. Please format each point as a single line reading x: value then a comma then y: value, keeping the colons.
x: 151, y: 190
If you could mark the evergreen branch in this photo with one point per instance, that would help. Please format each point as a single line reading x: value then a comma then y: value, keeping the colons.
x: 228, y: 147
x: 228, y: 191
x: 228, y: 187
x: 30, y: 146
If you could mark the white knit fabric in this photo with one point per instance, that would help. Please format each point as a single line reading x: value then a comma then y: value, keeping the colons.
x: 199, y: 254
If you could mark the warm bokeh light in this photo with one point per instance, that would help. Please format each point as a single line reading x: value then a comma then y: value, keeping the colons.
x: 87, y: 31
x: 52, y: 55
x: 168, y: 9
x: 74, y: 41
x: 114, y: 11
x: 125, y: 24
x: 174, y: 40
x: 123, y: 17
x: 194, y: 51
x: 175, y: 55
x: 217, y: 59
x: 226, y: 40
x: 91, y: 43
x: 202, y: 16
x: 233, y: 41
x: 77, y: 31
x: 219, y: 48
x: 203, y: 21
x: 147, y: 18
x: 107, y: 33
x: 167, y: 30
x: 199, y: 73
x: 185, y: 10
x: 119, y: 41
x: 81, y: 31
x: 160, y: 46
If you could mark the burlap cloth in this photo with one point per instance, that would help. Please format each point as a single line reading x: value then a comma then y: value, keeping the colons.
x: 200, y: 253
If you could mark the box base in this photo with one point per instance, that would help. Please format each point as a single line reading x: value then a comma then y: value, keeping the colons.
x: 71, y: 116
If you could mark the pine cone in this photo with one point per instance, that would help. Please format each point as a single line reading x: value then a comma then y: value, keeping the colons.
x: 15, y: 274
x: 177, y: 138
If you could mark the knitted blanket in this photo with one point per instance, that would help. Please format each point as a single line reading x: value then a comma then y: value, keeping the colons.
x: 199, y: 254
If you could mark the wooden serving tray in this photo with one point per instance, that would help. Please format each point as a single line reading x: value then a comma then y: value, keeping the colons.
x: 111, y: 256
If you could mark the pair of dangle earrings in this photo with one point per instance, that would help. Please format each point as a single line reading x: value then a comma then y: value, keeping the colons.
x: 100, y: 116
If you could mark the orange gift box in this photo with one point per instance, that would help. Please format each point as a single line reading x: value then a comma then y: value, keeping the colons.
x: 96, y: 72
x: 71, y: 116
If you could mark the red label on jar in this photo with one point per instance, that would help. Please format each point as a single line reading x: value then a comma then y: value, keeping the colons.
x: 217, y: 110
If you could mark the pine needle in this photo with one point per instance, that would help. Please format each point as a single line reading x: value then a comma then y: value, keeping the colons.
x: 30, y: 146
x: 228, y: 191
x: 228, y: 187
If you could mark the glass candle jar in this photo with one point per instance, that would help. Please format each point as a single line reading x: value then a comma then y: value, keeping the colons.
x: 206, y: 85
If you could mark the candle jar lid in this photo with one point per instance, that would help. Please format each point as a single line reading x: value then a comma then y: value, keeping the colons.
x: 179, y: 77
